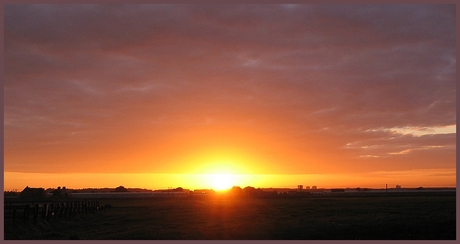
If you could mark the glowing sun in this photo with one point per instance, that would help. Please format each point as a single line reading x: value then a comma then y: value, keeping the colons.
x: 221, y: 181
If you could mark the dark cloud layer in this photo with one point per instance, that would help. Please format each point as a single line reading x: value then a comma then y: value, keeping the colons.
x: 327, y: 81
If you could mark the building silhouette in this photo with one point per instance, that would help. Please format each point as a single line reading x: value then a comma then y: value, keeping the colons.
x: 29, y: 192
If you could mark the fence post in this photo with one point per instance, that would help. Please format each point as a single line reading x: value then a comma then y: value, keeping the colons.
x: 55, y: 210
x: 66, y: 208
x: 49, y: 209
x: 58, y: 208
x: 14, y: 215
x: 61, y: 209
x: 70, y: 209
x: 45, y: 206
x: 47, y: 212
x: 35, y: 213
x: 26, y: 212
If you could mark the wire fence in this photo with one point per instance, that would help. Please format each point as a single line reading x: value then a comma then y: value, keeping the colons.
x: 47, y: 211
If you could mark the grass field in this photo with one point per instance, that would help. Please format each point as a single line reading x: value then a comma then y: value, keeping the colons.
x: 396, y: 217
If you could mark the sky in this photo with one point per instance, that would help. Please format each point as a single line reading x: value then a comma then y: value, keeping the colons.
x: 160, y: 95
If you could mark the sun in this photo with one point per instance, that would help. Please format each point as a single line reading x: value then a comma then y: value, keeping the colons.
x: 221, y: 181
x: 219, y: 172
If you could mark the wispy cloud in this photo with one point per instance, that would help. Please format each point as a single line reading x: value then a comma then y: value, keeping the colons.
x: 310, y: 88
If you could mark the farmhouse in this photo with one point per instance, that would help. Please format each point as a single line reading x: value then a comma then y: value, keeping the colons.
x: 29, y: 192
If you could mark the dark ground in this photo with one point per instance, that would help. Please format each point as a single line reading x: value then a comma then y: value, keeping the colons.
x: 366, y: 217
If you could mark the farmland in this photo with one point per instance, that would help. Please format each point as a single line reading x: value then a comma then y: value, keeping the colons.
x: 423, y: 216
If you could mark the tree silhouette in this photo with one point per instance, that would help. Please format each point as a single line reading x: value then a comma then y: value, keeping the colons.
x: 121, y: 189
x: 236, y: 190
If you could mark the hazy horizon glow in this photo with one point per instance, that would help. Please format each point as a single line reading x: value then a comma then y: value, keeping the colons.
x: 410, y: 179
x: 342, y: 95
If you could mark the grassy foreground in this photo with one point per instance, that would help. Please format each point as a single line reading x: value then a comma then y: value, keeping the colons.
x: 419, y: 217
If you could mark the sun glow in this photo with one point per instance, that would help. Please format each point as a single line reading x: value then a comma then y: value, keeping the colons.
x: 220, y: 176
x: 219, y: 171
x: 221, y: 181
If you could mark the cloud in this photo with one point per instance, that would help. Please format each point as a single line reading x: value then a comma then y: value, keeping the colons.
x: 330, y: 82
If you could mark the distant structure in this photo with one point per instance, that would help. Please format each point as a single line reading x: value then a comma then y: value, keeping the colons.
x: 29, y: 192
x: 313, y: 187
x: 60, y: 192
x: 398, y: 187
x: 300, y: 188
x: 307, y: 188
x: 203, y: 191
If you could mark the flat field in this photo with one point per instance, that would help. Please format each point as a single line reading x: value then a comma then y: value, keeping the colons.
x: 366, y: 217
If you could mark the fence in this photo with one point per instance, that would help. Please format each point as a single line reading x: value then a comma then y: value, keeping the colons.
x: 49, y: 211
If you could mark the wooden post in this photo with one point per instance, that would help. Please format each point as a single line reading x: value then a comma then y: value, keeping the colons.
x: 58, y: 208
x: 35, y: 213
x: 61, y: 209
x: 55, y: 210
x: 66, y: 208
x: 49, y: 210
x: 14, y: 215
x: 44, y: 210
x: 70, y: 209
x: 26, y: 212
